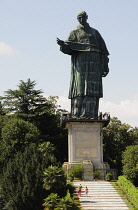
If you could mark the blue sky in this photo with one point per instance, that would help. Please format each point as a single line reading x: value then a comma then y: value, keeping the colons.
x: 28, y: 48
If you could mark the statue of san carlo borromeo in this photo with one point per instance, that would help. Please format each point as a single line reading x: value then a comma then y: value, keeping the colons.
x: 89, y: 63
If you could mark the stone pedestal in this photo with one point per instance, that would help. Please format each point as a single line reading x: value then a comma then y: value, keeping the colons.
x: 85, y: 144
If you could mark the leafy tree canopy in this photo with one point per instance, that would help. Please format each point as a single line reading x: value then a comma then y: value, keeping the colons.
x: 130, y: 163
x: 116, y: 137
x: 55, y: 180
x: 26, y: 101
x: 28, y: 104
x: 16, y: 135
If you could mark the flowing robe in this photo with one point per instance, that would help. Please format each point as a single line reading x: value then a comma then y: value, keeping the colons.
x: 89, y: 62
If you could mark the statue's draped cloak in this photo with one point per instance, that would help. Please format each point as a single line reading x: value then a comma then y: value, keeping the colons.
x: 87, y: 49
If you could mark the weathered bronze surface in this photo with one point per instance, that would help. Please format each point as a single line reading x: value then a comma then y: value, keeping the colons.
x: 89, y: 63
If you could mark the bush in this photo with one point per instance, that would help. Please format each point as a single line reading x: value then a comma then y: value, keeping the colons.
x: 130, y: 164
x: 71, y: 188
x: 108, y: 177
x: 129, y: 188
x: 76, y: 171
x: 51, y: 201
x: 96, y: 174
x: 68, y: 202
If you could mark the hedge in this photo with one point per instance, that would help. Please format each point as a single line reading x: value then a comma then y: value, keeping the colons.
x: 129, y: 188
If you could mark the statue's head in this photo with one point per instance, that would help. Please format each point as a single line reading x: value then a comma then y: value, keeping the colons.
x: 82, y: 17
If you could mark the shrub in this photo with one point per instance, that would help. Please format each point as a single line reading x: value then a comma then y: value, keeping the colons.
x: 68, y: 202
x: 130, y: 163
x: 96, y: 174
x: 51, y: 201
x: 76, y: 171
x: 108, y: 177
x: 129, y: 188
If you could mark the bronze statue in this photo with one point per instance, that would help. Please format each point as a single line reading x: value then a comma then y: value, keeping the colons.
x: 89, y: 63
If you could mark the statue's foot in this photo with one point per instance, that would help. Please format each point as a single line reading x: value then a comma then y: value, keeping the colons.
x: 74, y: 117
x: 82, y: 117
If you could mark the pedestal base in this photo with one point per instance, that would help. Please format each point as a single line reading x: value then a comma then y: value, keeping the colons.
x: 88, y: 169
x: 85, y: 146
x: 85, y: 142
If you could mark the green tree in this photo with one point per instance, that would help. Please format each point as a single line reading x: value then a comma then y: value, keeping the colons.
x: 24, y: 100
x: 130, y: 163
x: 55, y: 180
x: 16, y: 135
x: 116, y: 137
x: 28, y: 104
x: 22, y: 184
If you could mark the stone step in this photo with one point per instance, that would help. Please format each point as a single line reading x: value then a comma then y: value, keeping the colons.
x: 101, y: 195
x: 105, y: 207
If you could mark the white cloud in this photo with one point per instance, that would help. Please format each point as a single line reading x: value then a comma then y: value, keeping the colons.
x: 126, y: 110
x: 64, y: 102
x: 6, y: 49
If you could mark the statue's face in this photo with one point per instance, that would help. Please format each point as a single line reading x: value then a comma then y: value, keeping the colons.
x: 82, y: 19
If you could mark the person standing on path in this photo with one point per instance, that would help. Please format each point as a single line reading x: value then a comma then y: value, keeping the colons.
x: 86, y: 191
x: 79, y: 189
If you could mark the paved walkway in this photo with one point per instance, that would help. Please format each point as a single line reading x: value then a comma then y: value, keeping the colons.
x: 102, y: 195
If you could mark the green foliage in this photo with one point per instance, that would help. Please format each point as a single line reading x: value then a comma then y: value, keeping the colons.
x: 65, y: 203
x: 116, y: 137
x: 16, y: 135
x: 70, y: 199
x: 47, y: 149
x: 71, y: 188
x: 28, y: 104
x: 76, y: 171
x: 51, y: 201
x: 68, y: 203
x: 96, y: 174
x: 129, y: 188
x: 108, y: 177
x: 130, y: 163
x: 24, y: 99
x: 17, y: 131
x: 54, y: 183
x: 55, y: 180
x: 27, y: 117
x: 22, y: 184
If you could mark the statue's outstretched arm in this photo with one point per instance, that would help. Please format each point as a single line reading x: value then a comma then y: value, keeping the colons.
x: 60, y: 42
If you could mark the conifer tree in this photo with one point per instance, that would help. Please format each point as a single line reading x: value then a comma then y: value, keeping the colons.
x: 22, y: 184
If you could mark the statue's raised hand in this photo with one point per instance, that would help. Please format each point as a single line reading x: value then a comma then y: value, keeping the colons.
x: 60, y: 42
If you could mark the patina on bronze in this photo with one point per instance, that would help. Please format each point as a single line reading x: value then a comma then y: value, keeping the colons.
x: 89, y: 63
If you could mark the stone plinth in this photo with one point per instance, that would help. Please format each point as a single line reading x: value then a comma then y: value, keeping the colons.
x: 85, y: 142
x: 87, y: 170
x: 85, y: 145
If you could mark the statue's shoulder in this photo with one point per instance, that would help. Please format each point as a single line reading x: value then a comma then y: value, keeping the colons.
x: 73, y: 34
x: 74, y: 31
x: 94, y: 30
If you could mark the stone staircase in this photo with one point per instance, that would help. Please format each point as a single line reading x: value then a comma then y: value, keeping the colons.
x: 102, y: 195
